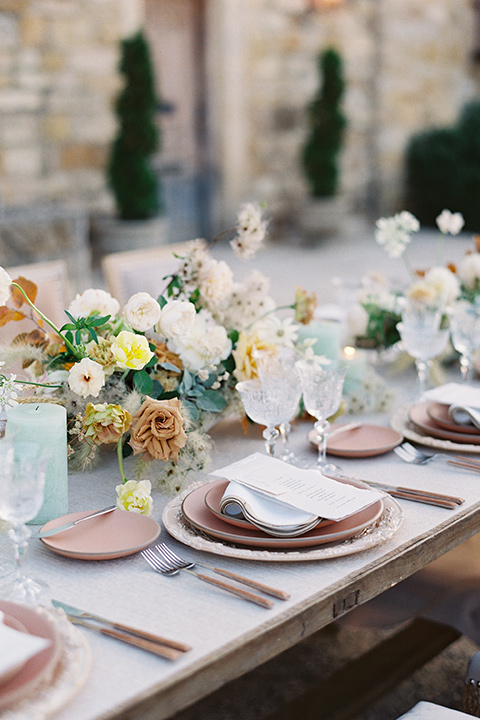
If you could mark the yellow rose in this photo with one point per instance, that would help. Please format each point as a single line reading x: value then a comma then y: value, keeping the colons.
x: 131, y: 351
x: 134, y: 496
x: 248, y: 347
x: 105, y: 423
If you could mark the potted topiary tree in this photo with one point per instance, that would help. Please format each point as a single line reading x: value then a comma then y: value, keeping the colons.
x: 131, y: 177
x: 320, y: 157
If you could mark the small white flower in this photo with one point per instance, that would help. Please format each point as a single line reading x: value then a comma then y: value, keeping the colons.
x: 8, y: 394
x: 94, y: 301
x: 444, y: 282
x: 469, y: 270
x: 394, y: 233
x: 216, y: 282
x: 86, y: 378
x: 450, y: 223
x: 5, y: 282
x: 251, y: 230
x: 142, y: 311
x: 279, y: 332
x: 357, y: 320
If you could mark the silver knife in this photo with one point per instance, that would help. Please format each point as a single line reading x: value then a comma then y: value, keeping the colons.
x: 75, y: 614
x: 67, y: 526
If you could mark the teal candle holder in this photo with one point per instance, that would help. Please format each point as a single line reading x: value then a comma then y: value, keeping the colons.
x: 45, y: 424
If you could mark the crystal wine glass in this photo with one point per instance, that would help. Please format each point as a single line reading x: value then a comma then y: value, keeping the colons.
x: 423, y: 338
x: 280, y: 381
x: 22, y: 479
x: 322, y: 393
x: 465, y: 333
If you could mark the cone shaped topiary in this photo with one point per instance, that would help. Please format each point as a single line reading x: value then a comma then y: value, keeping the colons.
x: 327, y: 124
x: 130, y: 175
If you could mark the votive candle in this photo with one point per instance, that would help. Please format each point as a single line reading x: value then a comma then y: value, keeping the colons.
x: 326, y: 334
x: 45, y: 424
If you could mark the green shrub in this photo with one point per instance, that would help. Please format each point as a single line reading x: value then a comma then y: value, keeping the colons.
x: 327, y: 124
x: 443, y: 170
x: 131, y: 177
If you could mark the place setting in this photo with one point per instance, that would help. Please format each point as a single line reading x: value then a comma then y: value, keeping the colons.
x: 247, y: 511
x: 444, y: 418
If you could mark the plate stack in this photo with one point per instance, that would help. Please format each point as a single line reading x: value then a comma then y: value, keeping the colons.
x: 205, y: 510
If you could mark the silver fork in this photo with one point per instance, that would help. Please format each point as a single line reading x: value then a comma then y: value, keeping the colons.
x: 169, y: 568
x: 171, y: 556
x: 409, y: 453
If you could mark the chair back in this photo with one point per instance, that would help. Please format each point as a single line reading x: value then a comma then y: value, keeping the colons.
x: 53, y: 297
x: 135, y: 271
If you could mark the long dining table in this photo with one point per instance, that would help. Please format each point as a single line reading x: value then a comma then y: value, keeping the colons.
x: 229, y: 636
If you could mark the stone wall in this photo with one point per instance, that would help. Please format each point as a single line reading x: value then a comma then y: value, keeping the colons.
x: 407, y: 66
x: 58, y: 76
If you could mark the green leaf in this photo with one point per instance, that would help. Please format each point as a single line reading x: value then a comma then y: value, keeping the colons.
x: 212, y: 401
x: 233, y: 335
x: 229, y: 364
x: 186, y: 384
x: 196, y: 391
x: 191, y: 409
x: 153, y: 360
x: 74, y: 321
x: 143, y: 382
x: 157, y: 389
x: 162, y: 301
x: 93, y: 334
x: 170, y: 367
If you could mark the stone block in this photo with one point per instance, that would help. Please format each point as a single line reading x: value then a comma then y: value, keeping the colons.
x: 33, y: 29
x: 9, y: 30
x: 20, y: 129
x: 57, y: 128
x: 17, y: 100
x: 23, y: 161
x: 77, y: 156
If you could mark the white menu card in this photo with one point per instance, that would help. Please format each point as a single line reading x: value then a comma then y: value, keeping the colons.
x: 307, y: 490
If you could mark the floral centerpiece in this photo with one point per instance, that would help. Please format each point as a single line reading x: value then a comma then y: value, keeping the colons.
x: 374, y: 318
x: 154, y: 376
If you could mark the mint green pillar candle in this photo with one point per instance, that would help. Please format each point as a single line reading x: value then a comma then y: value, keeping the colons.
x: 327, y: 336
x: 46, y: 424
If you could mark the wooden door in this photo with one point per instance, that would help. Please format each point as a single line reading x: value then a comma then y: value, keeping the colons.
x: 175, y: 30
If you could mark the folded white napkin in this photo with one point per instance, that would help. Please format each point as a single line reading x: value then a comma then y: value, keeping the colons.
x: 17, y: 647
x: 454, y: 394
x: 268, y: 514
x: 464, y: 402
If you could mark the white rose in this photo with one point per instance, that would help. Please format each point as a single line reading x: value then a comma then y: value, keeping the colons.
x: 142, y: 311
x: 217, y: 282
x: 357, y: 320
x: 444, y: 282
x: 94, y: 301
x: 206, y: 344
x: 176, y: 318
x: 469, y: 270
x: 86, y: 378
x: 450, y: 223
x: 5, y: 282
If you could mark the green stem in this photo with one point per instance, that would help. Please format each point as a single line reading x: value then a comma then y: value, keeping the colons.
x: 120, y: 460
x: 47, y: 385
x: 408, y: 265
x: 68, y: 344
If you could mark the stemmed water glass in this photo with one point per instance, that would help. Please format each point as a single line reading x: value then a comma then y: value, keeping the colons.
x: 280, y: 381
x: 322, y: 394
x: 422, y: 337
x: 465, y: 333
x: 272, y: 398
x: 23, y: 467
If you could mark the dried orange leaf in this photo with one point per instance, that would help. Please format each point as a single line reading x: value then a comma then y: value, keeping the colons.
x: 29, y: 288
